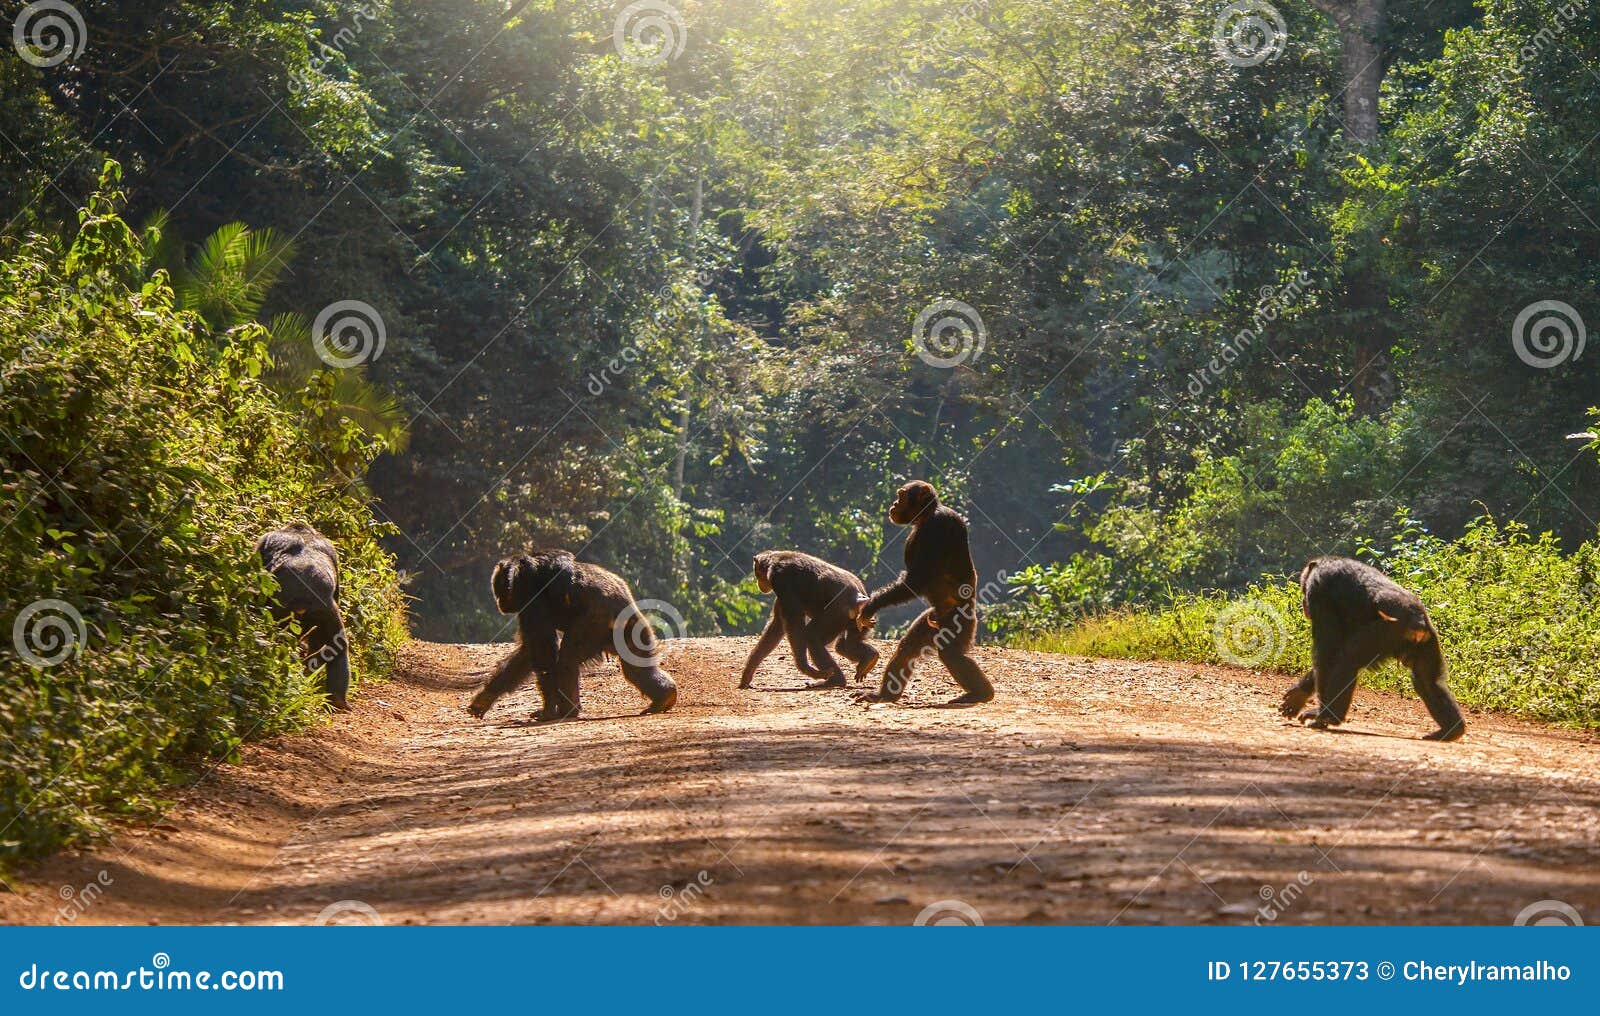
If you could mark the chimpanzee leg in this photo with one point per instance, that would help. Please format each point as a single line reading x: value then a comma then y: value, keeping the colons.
x: 770, y: 636
x: 820, y: 634
x: 1295, y: 698
x: 897, y: 675
x: 1427, y: 677
x: 958, y: 631
x: 1336, y: 683
x: 644, y: 671
x: 559, y: 685
x: 329, y: 649
x: 794, y: 624
x: 854, y: 647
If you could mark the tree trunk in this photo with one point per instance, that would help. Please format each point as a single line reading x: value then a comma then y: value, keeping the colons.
x: 1361, y: 66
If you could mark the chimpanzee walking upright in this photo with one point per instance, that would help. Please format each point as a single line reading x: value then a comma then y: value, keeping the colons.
x: 307, y: 569
x: 939, y: 569
x: 1360, y: 616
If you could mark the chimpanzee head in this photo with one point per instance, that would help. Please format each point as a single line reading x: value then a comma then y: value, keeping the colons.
x: 762, y: 566
x: 522, y: 579
x: 914, y: 503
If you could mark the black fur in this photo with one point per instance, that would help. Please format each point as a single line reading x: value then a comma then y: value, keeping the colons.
x: 1359, y: 616
x: 815, y: 604
x: 938, y: 569
x: 307, y: 569
x: 569, y: 614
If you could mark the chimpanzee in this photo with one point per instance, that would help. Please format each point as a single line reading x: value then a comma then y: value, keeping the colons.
x: 807, y: 587
x: 939, y: 569
x: 569, y: 614
x: 1360, y: 616
x: 307, y: 569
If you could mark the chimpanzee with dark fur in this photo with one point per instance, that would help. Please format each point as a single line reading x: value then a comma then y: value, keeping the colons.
x: 1360, y: 616
x: 939, y: 569
x: 307, y: 569
x: 569, y: 614
x: 815, y: 603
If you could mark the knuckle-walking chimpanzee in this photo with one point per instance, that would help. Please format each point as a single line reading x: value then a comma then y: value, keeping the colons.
x: 569, y: 614
x: 1360, y: 616
x: 939, y: 569
x: 815, y: 604
x: 307, y: 569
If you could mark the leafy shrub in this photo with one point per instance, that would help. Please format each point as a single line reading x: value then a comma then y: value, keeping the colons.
x: 1520, y: 621
x: 140, y: 454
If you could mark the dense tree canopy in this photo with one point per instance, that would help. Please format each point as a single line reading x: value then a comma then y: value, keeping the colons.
x: 648, y: 275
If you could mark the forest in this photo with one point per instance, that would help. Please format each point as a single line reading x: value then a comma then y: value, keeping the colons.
x: 1165, y: 297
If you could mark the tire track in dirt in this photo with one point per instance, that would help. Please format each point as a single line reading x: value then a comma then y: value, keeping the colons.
x: 1091, y: 791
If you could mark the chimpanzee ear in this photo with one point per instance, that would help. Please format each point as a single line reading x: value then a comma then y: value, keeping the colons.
x: 1386, y: 617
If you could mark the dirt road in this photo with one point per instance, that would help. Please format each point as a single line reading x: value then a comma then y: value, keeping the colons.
x: 1091, y: 791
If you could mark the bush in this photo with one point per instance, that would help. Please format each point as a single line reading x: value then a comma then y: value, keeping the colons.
x: 139, y: 458
x: 1520, y: 622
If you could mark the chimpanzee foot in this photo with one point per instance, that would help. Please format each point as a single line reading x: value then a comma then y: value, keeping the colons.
x: 863, y: 669
x: 868, y: 697
x: 481, y: 703
x: 662, y: 704
x: 1455, y: 733
x: 747, y: 680
x: 972, y: 698
x: 1294, y: 700
x: 551, y: 714
x: 835, y: 680
x: 339, y: 704
x: 1319, y: 719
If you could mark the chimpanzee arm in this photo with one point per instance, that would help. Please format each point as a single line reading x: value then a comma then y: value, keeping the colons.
x: 895, y: 593
x: 770, y: 636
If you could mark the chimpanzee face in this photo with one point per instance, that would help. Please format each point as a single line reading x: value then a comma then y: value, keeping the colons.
x: 911, y: 503
x: 763, y: 580
x: 504, y: 575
